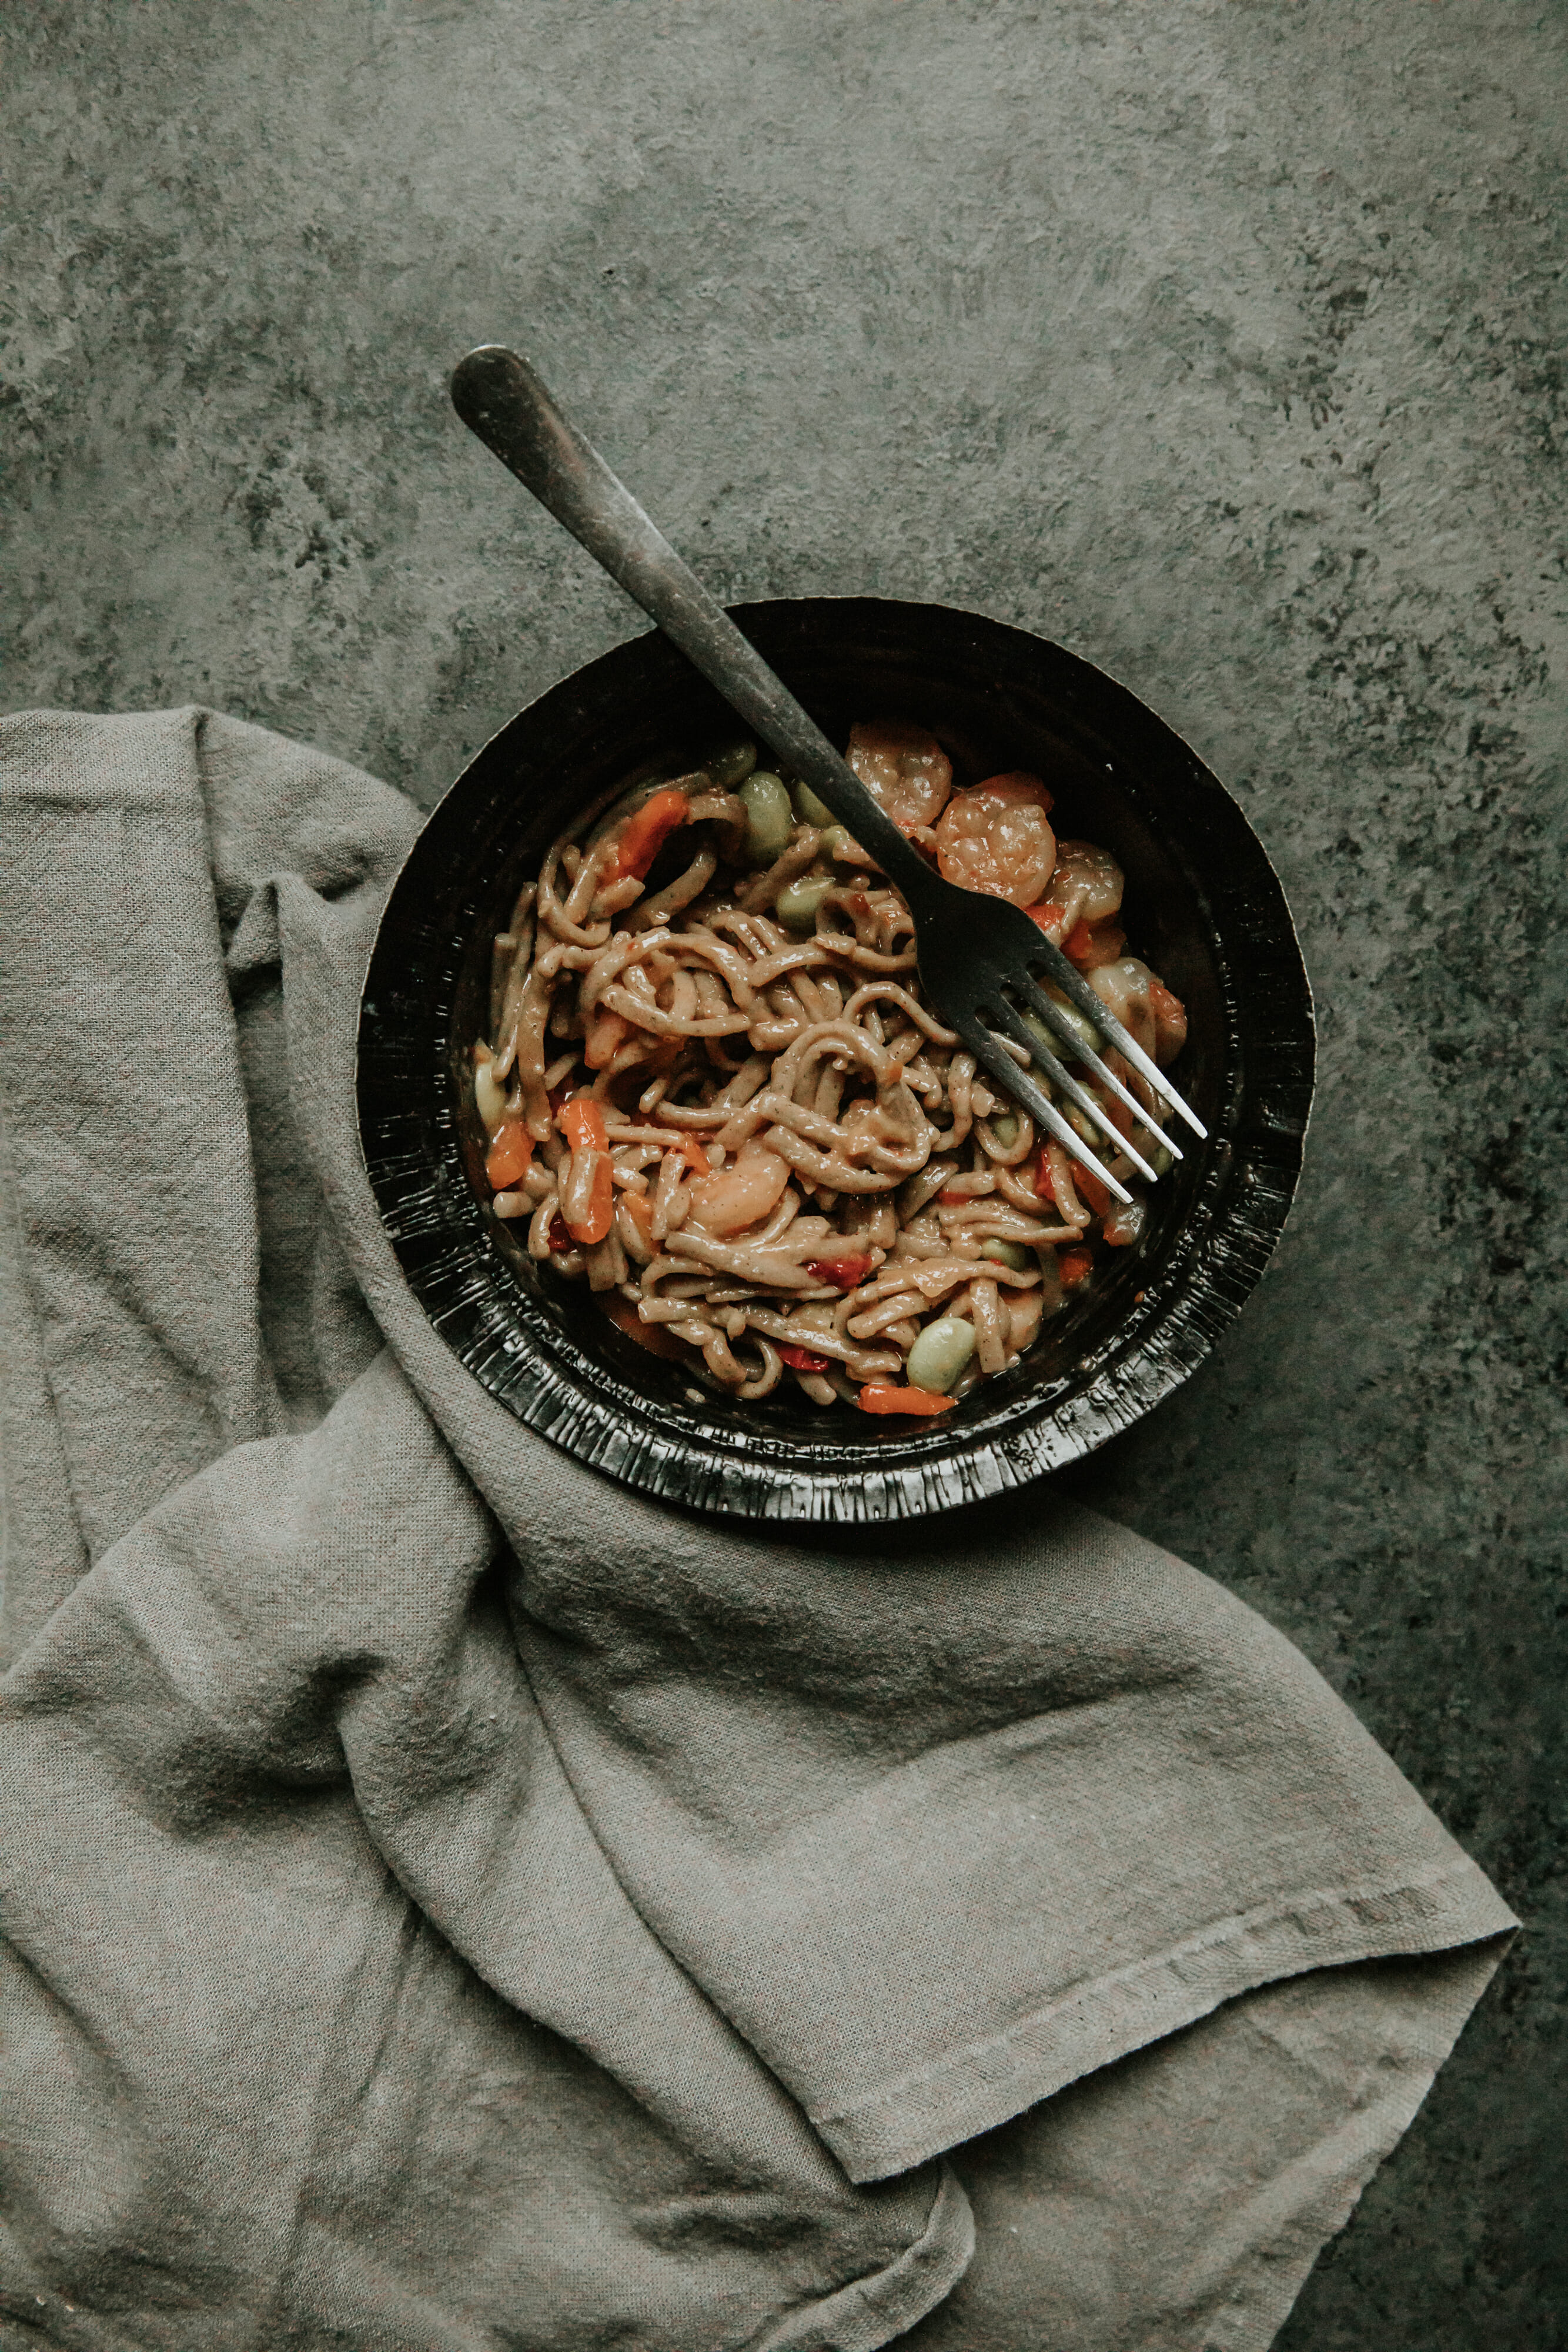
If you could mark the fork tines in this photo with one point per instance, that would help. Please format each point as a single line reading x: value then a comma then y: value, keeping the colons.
x: 1006, y: 1036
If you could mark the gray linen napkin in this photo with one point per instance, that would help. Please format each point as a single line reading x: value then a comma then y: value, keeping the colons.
x: 451, y: 1902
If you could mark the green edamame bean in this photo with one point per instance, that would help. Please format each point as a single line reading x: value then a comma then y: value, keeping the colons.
x: 1005, y: 1127
x: 810, y: 809
x: 725, y: 767
x: 1083, y: 1029
x: 840, y: 843
x: 1011, y: 1254
x: 797, y: 904
x: 940, y: 1353
x: 1160, y: 1159
x: 769, y: 816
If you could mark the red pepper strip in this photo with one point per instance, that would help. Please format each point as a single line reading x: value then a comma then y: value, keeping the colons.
x: 645, y: 832
x: 1090, y: 1189
x: 581, y: 1121
x: 878, y: 1397
x: 1085, y: 1183
x: 801, y: 1359
x: 844, y: 1273
x: 1074, y: 1267
x: 506, y: 1162
x: 1092, y: 944
x: 954, y: 1200
x: 559, y: 1239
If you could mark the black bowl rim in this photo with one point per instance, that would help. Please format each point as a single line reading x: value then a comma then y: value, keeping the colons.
x: 439, y: 1233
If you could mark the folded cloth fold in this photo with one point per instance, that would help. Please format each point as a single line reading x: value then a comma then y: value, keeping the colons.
x: 489, y: 1908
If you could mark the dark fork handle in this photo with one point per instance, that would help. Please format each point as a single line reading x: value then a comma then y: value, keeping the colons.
x: 499, y: 397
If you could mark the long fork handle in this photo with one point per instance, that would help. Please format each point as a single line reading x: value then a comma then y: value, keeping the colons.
x: 501, y: 398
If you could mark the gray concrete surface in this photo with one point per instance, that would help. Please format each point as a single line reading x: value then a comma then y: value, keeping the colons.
x: 1217, y: 338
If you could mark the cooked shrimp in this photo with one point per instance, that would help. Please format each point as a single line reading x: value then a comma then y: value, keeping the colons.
x: 903, y: 767
x: 739, y: 1196
x: 1145, y: 1005
x: 996, y: 838
x: 1086, y: 888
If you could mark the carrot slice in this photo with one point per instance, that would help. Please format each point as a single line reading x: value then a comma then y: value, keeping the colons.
x: 879, y: 1396
x: 506, y: 1161
x: 581, y: 1121
x: 645, y: 832
x: 1074, y: 1265
x: 691, y: 1152
x: 801, y: 1359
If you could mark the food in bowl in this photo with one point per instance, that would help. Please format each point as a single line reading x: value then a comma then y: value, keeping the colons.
x: 712, y: 1088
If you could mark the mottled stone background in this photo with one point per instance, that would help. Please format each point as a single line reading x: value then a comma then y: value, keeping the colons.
x: 1217, y: 338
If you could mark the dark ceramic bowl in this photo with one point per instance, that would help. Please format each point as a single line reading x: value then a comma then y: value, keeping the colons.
x: 1203, y: 906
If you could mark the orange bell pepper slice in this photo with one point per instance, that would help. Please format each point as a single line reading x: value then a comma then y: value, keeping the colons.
x: 581, y: 1121
x: 506, y: 1161
x: 880, y: 1396
x: 691, y: 1152
x: 645, y: 832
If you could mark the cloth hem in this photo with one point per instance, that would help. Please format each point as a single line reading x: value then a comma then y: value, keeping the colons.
x: 902, y: 2123
x: 869, y: 2312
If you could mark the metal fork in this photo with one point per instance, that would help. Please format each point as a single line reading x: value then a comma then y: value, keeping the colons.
x: 979, y: 956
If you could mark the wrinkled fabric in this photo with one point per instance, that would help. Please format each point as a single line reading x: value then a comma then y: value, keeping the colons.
x: 451, y: 1901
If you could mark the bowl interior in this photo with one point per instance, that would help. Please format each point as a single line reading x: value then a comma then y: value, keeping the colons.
x: 1202, y: 907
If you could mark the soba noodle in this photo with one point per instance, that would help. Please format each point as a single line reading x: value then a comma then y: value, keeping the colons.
x: 714, y: 1092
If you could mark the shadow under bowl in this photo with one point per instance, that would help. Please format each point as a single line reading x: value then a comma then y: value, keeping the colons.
x: 1203, y: 907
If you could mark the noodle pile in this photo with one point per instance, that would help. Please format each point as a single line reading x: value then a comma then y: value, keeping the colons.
x: 713, y: 1090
